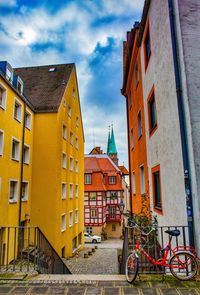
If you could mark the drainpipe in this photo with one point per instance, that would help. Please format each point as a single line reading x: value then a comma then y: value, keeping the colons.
x: 22, y: 166
x: 183, y: 132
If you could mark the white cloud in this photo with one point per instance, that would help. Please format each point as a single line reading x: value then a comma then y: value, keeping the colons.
x: 7, y: 3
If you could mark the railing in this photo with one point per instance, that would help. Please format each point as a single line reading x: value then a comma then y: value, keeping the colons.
x: 153, y: 245
x: 26, y: 249
x: 113, y: 217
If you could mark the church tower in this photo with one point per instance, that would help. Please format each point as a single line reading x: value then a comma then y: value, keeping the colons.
x: 111, y: 147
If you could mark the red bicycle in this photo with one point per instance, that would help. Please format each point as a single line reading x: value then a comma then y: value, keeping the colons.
x: 182, y: 262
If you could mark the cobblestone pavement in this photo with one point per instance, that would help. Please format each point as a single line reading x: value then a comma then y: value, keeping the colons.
x: 101, y: 288
x: 103, y: 261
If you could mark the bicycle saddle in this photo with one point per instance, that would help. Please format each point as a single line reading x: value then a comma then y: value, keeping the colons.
x: 174, y: 232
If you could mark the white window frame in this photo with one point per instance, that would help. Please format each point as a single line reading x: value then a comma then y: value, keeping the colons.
x: 96, y: 212
x: 14, y: 200
x: 25, y: 199
x: 63, y: 192
x: 27, y: 147
x: 69, y: 111
x: 4, y: 97
x: 71, y: 190
x: 142, y: 180
x: 18, y: 157
x: 64, y: 160
x: 1, y: 142
x: 76, y: 190
x: 28, y: 114
x: 18, y: 117
x: 133, y: 182
x: 71, y: 163
x: 76, y: 143
x: 76, y: 165
x: 86, y: 175
x: 76, y: 215
x: 71, y: 138
x: 64, y: 131
x: 63, y: 222
x: 70, y: 218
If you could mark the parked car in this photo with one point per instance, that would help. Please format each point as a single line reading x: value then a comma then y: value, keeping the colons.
x: 89, y: 238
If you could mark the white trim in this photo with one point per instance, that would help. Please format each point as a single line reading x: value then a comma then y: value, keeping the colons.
x: 1, y: 143
x: 65, y: 164
x: 76, y: 166
x: 64, y: 131
x: 17, y: 140
x: 26, y: 198
x: 15, y: 199
x: 63, y: 228
x: 29, y: 114
x: 71, y: 224
x: 28, y: 148
x: 76, y: 190
x: 71, y: 185
x: 69, y: 111
x: 71, y: 163
x: 71, y: 138
x: 3, y: 106
x: 19, y: 119
x: 63, y: 197
x: 76, y: 215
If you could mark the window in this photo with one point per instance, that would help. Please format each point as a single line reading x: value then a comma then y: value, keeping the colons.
x: 113, y: 227
x: 132, y: 139
x: 76, y: 190
x: 89, y: 230
x: 63, y: 222
x: 76, y: 143
x: 20, y: 85
x: 13, y: 191
x: 113, y: 195
x: 71, y: 138
x: 1, y: 142
x: 74, y: 93
x: 76, y: 216
x: 80, y: 239
x: 64, y: 132
x: 17, y: 110
x: 92, y: 196
x: 26, y: 154
x: 136, y: 74
x: 64, y: 161
x: 70, y: 219
x: 77, y: 121
x: 112, y: 212
x: 2, y: 97
x: 152, y: 112
x: 133, y: 183
x: 76, y: 166
x: 24, y: 195
x: 69, y: 111
x: 156, y: 187
x: 112, y: 179
x: 130, y: 99
x: 142, y: 180
x: 147, y: 47
x: 71, y: 164
x: 63, y: 192
x: 93, y: 213
x: 9, y: 74
x: 71, y: 190
x: 74, y: 244
x: 139, y: 125
x: 28, y: 120
x: 88, y: 178
x: 15, y: 149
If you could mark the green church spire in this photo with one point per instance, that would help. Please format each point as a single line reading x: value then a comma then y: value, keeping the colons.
x: 111, y: 148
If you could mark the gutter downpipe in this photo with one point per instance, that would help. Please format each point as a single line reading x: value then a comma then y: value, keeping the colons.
x: 182, y: 123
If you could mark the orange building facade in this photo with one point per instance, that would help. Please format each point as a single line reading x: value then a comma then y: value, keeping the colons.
x: 133, y: 91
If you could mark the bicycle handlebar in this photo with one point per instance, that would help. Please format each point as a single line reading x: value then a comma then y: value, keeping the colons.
x: 139, y: 228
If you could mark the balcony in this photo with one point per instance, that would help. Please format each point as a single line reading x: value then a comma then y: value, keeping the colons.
x: 113, y: 218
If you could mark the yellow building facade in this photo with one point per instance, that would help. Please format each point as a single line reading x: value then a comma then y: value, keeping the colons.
x: 51, y: 137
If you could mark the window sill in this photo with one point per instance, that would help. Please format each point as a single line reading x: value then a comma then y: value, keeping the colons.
x: 139, y: 137
x: 24, y: 200
x: 151, y: 132
x: 70, y: 225
x: 63, y: 230
x: 2, y: 107
x: 18, y: 120
x: 26, y: 163
x: 29, y: 128
x: 63, y: 198
x: 12, y: 201
x: 16, y: 160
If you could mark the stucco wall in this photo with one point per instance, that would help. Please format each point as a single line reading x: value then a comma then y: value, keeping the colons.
x: 188, y: 34
x: 164, y: 146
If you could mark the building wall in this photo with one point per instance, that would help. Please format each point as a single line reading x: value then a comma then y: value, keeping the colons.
x: 164, y: 146
x: 187, y: 27
x: 114, y: 233
x: 48, y: 205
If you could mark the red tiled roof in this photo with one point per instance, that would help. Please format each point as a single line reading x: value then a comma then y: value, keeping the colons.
x: 124, y: 170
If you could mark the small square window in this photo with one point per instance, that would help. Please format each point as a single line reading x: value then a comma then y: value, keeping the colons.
x: 71, y: 190
x: 64, y: 132
x: 142, y: 180
x: 64, y: 161
x: 152, y: 113
x: 69, y: 111
x: 93, y: 213
x: 20, y: 85
x: 76, y: 166
x: 147, y: 47
x: 15, y: 149
x: 63, y: 222
x: 24, y: 195
x: 2, y: 97
x: 64, y: 186
x: 156, y: 188
x: 71, y: 138
x: 28, y: 120
x: 71, y: 164
x: 76, y: 143
x: 112, y: 179
x: 74, y: 244
x: 17, y: 111
x: 88, y: 178
x: 70, y: 219
x: 139, y: 125
x: 76, y: 190
x: 76, y: 216
x: 13, y: 191
x: 93, y: 196
x: 26, y: 154
x: 1, y: 142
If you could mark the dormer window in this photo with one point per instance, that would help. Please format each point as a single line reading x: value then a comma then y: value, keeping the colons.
x: 2, y: 97
x: 20, y: 86
x: 112, y: 179
x: 18, y: 111
x: 88, y: 178
x: 9, y: 74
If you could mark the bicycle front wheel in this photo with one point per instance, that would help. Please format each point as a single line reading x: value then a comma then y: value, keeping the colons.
x: 183, y: 266
x: 132, y: 266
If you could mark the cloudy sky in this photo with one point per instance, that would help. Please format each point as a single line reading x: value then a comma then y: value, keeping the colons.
x: 87, y: 32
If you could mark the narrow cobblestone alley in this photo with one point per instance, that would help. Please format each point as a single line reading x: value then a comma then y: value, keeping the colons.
x: 103, y: 261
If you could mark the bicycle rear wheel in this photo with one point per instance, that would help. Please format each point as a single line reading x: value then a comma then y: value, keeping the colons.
x: 132, y: 266
x: 183, y: 266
